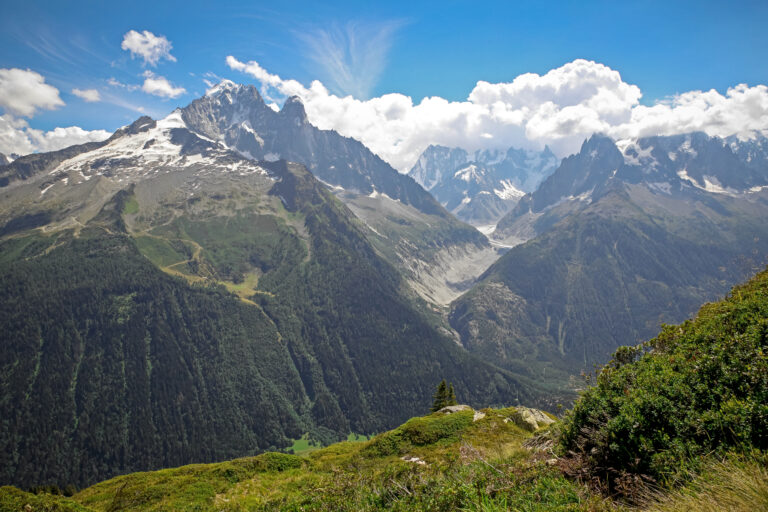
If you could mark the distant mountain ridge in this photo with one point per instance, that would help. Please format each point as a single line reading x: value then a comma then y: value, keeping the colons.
x: 413, y: 231
x: 677, y: 166
x: 481, y: 187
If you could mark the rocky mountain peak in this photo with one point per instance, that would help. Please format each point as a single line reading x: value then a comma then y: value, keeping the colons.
x: 599, y: 145
x: 294, y: 108
x: 142, y: 124
x: 223, y: 86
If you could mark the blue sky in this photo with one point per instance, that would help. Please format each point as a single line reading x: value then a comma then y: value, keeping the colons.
x: 421, y: 48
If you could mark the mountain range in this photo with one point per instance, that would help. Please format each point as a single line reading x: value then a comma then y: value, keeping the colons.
x: 480, y: 187
x: 621, y: 238
x: 407, y: 225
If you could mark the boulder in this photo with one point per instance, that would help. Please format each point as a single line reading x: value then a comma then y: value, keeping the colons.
x: 530, y: 419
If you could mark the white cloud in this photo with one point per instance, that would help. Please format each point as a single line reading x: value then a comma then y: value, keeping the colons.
x: 147, y: 46
x: 560, y: 109
x: 741, y: 111
x: 88, y: 95
x: 160, y: 86
x: 17, y: 137
x: 59, y: 138
x: 116, y: 83
x: 351, y: 57
x: 13, y: 136
x: 22, y: 92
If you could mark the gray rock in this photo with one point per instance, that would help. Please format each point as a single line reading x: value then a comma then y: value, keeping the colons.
x: 454, y: 408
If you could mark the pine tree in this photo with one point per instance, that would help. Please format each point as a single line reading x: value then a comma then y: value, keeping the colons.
x: 440, y: 397
x: 451, y: 399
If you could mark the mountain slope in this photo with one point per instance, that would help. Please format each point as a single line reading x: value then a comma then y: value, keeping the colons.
x: 166, y: 300
x: 390, y: 203
x: 618, y: 252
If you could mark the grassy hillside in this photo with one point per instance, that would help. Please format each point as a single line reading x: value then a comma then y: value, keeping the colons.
x: 436, y: 462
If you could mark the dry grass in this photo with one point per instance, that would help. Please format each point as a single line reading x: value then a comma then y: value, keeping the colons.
x: 736, y: 484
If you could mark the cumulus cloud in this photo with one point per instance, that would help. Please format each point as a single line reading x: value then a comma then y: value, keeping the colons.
x: 17, y: 137
x: 88, y: 95
x: 351, y: 57
x: 559, y: 108
x: 160, y: 86
x: 147, y: 46
x: 23, y: 92
x: 741, y: 111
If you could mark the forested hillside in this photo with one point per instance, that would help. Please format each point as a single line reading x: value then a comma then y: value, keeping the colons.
x: 176, y: 328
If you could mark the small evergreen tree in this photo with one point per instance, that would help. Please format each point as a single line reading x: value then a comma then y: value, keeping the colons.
x: 444, y: 396
x: 440, y: 396
x: 451, y: 400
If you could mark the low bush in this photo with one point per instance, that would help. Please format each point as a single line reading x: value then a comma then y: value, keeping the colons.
x: 697, y: 388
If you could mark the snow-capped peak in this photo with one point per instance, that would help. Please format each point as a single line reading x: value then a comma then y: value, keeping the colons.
x: 172, y: 120
x: 223, y: 86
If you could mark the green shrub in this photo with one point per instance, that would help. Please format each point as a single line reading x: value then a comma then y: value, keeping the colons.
x: 419, y: 431
x: 276, y: 461
x: 697, y: 388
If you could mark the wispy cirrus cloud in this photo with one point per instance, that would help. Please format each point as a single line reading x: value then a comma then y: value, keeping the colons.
x: 350, y: 57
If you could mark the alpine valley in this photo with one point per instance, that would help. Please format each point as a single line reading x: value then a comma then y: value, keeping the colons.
x: 230, y: 278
